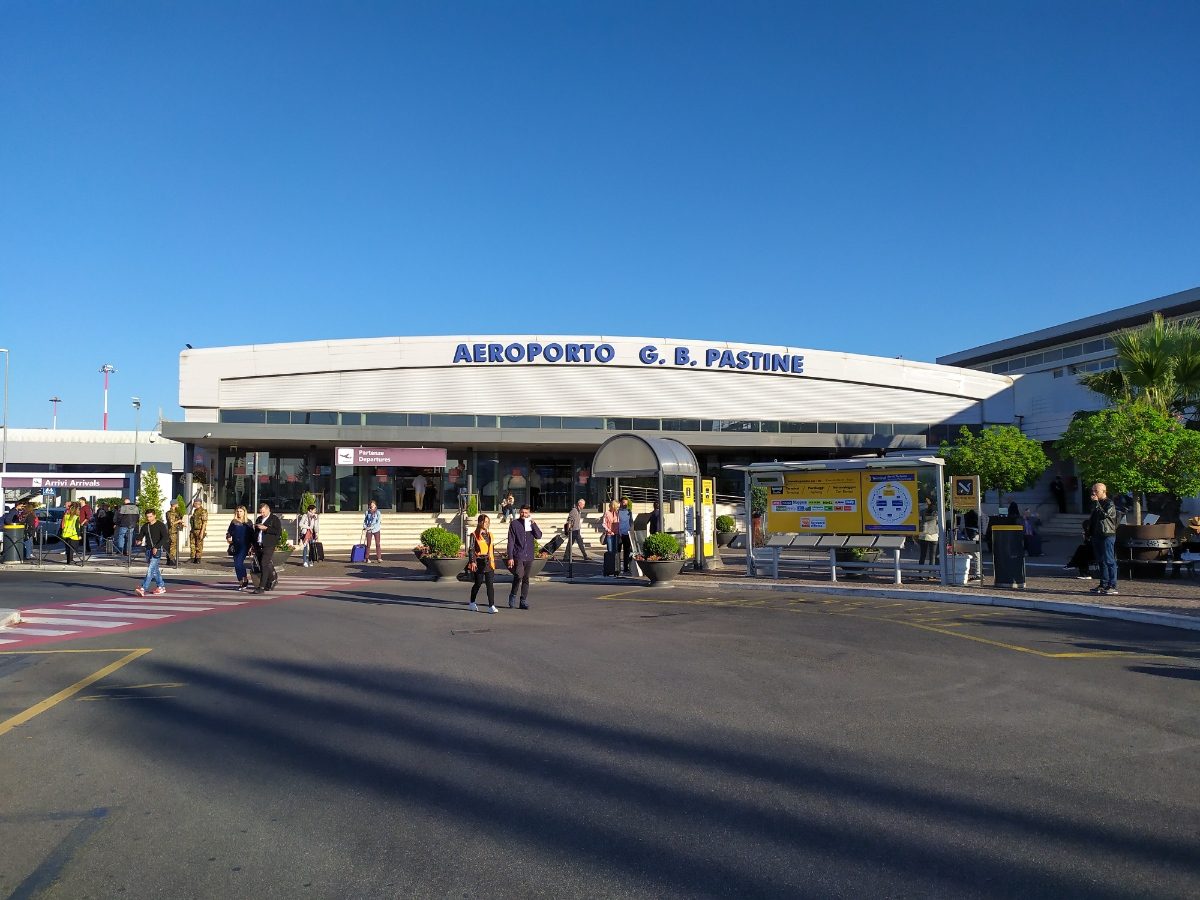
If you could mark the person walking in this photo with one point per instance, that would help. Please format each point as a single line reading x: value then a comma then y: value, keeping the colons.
x: 419, y: 484
x: 655, y: 523
x: 174, y: 529
x: 481, y: 561
x: 522, y: 532
x: 625, y: 530
x: 127, y: 524
x: 575, y: 530
x: 1059, y: 491
x: 153, y: 537
x: 69, y: 533
x: 372, y: 526
x: 268, y: 528
x: 307, y: 528
x: 198, y: 531
x: 240, y: 536
x: 1102, y: 525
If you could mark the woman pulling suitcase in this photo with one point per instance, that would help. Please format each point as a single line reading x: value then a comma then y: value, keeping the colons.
x: 481, y: 555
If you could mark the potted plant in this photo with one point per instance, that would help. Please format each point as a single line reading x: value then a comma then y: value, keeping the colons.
x: 726, y: 529
x: 284, y: 548
x: 440, y: 551
x: 661, y: 558
x: 758, y: 508
x: 539, y: 559
x: 855, y: 555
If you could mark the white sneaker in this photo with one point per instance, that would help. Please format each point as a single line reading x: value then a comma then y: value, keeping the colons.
x: 472, y: 606
x: 492, y: 608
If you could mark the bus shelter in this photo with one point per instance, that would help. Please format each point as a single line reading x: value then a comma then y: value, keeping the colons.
x: 851, y: 503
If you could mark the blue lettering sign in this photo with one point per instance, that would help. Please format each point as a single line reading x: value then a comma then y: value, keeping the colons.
x: 648, y: 355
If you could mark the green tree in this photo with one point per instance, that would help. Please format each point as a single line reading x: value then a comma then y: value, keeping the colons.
x: 1135, y: 448
x: 1004, y: 458
x: 1158, y: 365
x: 149, y: 495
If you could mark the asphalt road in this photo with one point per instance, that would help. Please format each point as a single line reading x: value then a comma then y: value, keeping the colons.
x: 381, y: 741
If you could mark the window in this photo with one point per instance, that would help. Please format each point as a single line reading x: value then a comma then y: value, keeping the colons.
x: 618, y: 424
x: 1052, y: 355
x: 769, y: 427
x: 1072, y: 351
x: 680, y: 424
x: 583, y: 422
x: 387, y: 420
x: 645, y: 424
x: 486, y: 422
x: 1058, y: 373
x: 552, y: 421
x: 1093, y: 347
x: 418, y: 420
x: 827, y: 427
x: 855, y: 428
x: 520, y: 421
x: 314, y: 418
x: 1000, y: 368
x: 444, y: 420
x: 909, y: 429
x: 278, y: 417
x: 353, y: 420
x: 798, y: 427
x: 243, y: 416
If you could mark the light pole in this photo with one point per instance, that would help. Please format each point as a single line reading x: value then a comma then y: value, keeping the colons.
x: 4, y: 449
x: 137, y: 432
x: 107, y: 370
x: 54, y: 401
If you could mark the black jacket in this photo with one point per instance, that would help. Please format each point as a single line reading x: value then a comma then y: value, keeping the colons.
x: 1103, y: 521
x: 270, y: 537
x: 153, y: 537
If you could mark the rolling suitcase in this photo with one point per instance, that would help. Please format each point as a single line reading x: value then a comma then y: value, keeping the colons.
x: 358, y: 553
x: 551, y: 546
x: 611, y: 567
x: 316, y: 552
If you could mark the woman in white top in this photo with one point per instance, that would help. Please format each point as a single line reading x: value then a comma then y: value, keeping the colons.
x: 307, y: 529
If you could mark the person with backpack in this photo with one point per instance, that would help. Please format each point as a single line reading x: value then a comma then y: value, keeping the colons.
x: 481, y: 562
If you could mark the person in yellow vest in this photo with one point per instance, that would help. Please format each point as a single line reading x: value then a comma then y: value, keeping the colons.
x: 481, y: 556
x: 174, y: 527
x: 198, y: 531
x: 70, y: 532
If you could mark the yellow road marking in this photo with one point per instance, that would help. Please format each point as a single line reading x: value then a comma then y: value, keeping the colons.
x: 66, y: 693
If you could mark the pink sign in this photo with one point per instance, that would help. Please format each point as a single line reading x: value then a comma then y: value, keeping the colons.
x: 60, y: 481
x: 415, y: 457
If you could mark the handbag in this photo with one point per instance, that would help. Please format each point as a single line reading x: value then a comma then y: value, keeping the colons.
x: 231, y: 550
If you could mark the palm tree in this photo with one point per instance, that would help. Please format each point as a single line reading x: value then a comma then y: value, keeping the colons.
x: 1158, y: 364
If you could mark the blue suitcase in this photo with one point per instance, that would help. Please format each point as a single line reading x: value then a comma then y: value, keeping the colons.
x: 358, y: 553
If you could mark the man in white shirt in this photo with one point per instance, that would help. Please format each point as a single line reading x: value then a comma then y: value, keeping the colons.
x: 419, y: 485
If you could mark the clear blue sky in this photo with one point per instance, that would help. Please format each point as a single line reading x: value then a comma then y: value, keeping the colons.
x: 885, y: 178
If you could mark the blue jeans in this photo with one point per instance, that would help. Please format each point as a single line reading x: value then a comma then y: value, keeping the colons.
x: 1105, y: 548
x: 121, y: 544
x: 29, y: 548
x: 153, y: 574
x: 239, y: 562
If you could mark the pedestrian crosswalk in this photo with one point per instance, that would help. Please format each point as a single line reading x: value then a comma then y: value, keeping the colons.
x: 116, y: 613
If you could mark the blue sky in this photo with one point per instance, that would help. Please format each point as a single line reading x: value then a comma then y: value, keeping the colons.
x: 883, y: 178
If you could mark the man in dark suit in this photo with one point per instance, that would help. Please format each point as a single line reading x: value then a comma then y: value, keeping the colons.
x: 521, y: 534
x: 268, y: 528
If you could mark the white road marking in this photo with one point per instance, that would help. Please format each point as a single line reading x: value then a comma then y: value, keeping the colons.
x: 149, y: 606
x: 36, y: 632
x: 58, y: 620
x: 90, y: 613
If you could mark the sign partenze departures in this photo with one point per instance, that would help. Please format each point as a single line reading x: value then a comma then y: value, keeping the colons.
x: 678, y: 356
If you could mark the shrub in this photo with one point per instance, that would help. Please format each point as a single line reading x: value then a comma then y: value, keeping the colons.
x: 725, y: 524
x: 661, y: 546
x: 472, y: 506
x: 441, y: 543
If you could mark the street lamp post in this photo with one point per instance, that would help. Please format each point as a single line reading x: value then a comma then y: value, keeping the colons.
x: 54, y: 401
x: 106, y: 370
x: 137, y: 433
x: 4, y: 449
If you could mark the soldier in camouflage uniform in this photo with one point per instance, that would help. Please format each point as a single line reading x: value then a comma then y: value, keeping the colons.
x: 198, y: 531
x: 174, y: 526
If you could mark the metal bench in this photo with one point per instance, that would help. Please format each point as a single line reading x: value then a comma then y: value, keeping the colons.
x: 800, y: 547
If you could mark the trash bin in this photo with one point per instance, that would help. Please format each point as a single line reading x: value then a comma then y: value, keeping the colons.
x: 14, y: 543
x: 1008, y: 555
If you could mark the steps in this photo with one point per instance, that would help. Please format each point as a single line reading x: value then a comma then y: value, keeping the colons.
x: 1065, y: 525
x: 400, y: 531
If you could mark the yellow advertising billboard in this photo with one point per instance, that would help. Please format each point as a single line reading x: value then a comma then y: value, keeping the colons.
x: 822, y: 502
x: 890, y: 502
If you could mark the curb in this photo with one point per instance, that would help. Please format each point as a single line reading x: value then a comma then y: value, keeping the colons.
x: 1123, y: 613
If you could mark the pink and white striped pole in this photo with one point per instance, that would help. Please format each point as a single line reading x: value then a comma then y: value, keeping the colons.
x: 106, y: 369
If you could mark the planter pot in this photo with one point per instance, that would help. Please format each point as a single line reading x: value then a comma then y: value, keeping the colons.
x: 1126, y: 533
x: 443, y: 568
x: 539, y: 564
x: 960, y: 569
x: 281, y: 557
x: 661, y: 571
x: 725, y: 537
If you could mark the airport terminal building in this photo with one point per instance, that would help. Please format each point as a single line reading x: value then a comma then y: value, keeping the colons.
x: 360, y: 419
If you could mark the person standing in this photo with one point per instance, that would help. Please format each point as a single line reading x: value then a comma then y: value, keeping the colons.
x: 928, y: 538
x: 269, y: 528
x: 625, y: 529
x: 127, y: 524
x: 575, y: 530
x: 85, y: 522
x: 419, y: 485
x: 1102, y: 525
x: 611, y: 527
x: 372, y: 527
x: 481, y: 561
x: 174, y: 528
x: 198, y: 531
x: 240, y: 536
x: 307, y: 528
x: 522, y: 532
x: 69, y: 532
x: 30, y: 520
x: 153, y: 536
x: 1014, y: 511
x: 655, y: 524
x: 1059, y: 491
